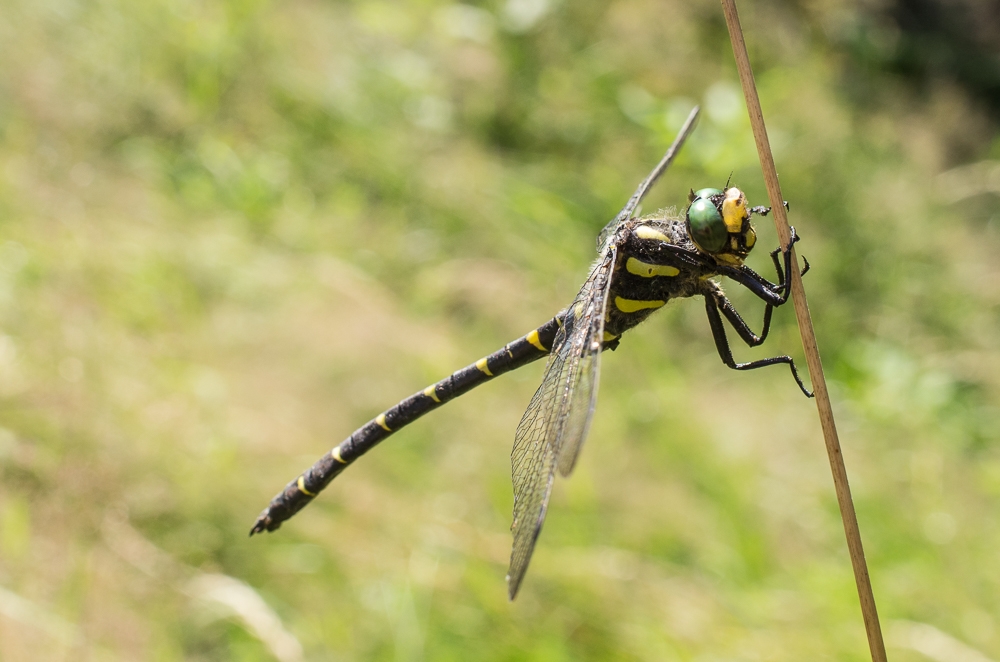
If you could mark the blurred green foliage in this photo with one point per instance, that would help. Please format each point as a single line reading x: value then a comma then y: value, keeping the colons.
x: 232, y: 232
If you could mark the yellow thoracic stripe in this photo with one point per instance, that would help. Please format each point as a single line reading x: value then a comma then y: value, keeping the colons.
x: 632, y: 305
x: 608, y: 337
x: 647, y: 270
x: 302, y: 487
x: 431, y: 393
x: 337, y: 456
x: 533, y: 339
x: 380, y: 419
x: 481, y: 364
x: 647, y: 232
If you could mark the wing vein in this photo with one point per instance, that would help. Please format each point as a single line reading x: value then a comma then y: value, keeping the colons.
x: 555, y: 424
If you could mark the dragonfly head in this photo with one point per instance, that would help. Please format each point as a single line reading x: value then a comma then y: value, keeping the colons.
x: 718, y: 222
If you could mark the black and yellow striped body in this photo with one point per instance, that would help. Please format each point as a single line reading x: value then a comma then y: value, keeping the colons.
x: 657, y: 262
x: 642, y: 264
x: 303, y: 489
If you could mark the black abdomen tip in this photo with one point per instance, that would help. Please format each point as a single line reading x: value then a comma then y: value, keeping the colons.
x: 265, y: 523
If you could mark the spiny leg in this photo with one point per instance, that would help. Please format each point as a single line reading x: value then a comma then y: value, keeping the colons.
x: 781, y: 273
x: 737, y: 321
x: 726, y: 354
x: 764, y: 211
x: 775, y: 294
x: 785, y: 275
x: 786, y: 285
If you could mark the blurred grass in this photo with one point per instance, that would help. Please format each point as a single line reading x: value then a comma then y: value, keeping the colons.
x: 232, y: 232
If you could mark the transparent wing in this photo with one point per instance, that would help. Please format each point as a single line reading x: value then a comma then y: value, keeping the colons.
x: 661, y: 167
x: 554, y: 426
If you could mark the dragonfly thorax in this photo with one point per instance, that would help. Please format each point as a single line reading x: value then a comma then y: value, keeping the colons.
x: 656, y: 261
x: 718, y: 222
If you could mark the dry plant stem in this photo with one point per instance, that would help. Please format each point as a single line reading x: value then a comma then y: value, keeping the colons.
x: 841, y: 485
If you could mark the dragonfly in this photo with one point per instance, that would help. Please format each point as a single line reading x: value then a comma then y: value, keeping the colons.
x: 643, y: 262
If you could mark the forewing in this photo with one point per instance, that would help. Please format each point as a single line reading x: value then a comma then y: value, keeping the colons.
x: 554, y: 426
x: 646, y: 184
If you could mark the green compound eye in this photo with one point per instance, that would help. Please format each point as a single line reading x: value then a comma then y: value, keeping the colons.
x: 706, y: 226
x: 706, y: 193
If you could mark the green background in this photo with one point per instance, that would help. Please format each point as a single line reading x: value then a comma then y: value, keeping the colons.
x: 231, y: 232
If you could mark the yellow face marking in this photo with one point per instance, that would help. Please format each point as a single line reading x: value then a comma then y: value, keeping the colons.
x: 647, y: 270
x: 751, y: 238
x: 337, y: 456
x: 534, y: 340
x: 727, y: 258
x: 734, y: 209
x: 380, y: 419
x: 302, y: 487
x: 608, y: 337
x: 633, y: 305
x: 483, y: 368
x: 431, y: 393
x: 649, y: 232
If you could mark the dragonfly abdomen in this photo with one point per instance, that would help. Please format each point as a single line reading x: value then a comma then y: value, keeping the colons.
x: 307, y: 486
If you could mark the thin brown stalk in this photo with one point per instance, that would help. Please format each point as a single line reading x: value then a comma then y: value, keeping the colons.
x: 843, y: 489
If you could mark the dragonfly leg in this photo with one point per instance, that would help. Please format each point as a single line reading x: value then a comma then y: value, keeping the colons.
x: 768, y: 292
x: 724, y: 305
x: 786, y: 283
x: 764, y: 211
x: 726, y: 353
x: 775, y: 294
